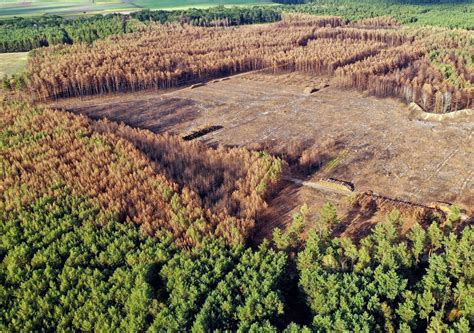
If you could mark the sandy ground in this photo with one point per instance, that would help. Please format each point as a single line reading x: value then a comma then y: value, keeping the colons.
x: 367, y: 141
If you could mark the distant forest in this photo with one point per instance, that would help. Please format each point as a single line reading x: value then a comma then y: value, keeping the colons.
x: 24, y: 34
x: 419, y: 13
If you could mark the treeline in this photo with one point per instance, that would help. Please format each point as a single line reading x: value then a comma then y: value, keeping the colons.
x: 291, y: 2
x: 20, y: 34
x: 450, y: 14
x: 230, y: 184
x: 428, y: 66
x: 153, y: 59
x: 420, y: 2
x: 161, y: 183
x: 68, y: 265
x: 213, y: 16
x: 439, y: 76
x: 24, y: 34
x: 162, y: 57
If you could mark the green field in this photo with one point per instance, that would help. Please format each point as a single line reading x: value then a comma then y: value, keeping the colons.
x: 12, y: 63
x: 22, y: 8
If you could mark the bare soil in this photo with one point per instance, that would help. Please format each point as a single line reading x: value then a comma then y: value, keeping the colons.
x: 363, y: 140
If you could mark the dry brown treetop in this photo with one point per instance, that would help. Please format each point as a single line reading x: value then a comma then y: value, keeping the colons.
x: 159, y: 182
x: 429, y: 66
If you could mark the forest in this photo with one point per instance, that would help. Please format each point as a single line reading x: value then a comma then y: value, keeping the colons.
x: 19, y: 34
x: 24, y: 34
x: 413, y: 13
x: 79, y: 254
x: 429, y: 66
x: 173, y: 187
x: 213, y: 16
x: 105, y: 227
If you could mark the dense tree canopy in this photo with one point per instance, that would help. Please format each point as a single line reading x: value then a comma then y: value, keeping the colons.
x: 387, y: 283
x: 108, y: 228
x: 443, y: 13
x: 24, y: 34
x: 429, y: 66
x: 76, y: 251
x: 63, y: 269
x: 166, y: 192
x: 73, y: 256
x: 213, y: 16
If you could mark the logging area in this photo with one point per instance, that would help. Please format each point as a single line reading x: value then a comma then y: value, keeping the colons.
x: 344, y: 134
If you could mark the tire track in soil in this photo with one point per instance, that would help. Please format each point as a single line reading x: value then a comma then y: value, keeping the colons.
x: 444, y: 162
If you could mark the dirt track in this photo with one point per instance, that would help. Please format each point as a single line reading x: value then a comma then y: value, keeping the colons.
x: 368, y: 141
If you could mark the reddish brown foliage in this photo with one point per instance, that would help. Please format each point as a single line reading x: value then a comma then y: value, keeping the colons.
x: 378, y: 22
x: 166, y: 185
x: 411, y: 64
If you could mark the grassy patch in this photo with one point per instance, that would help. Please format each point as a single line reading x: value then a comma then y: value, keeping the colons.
x: 334, y: 185
x: 12, y: 63
x: 333, y: 163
